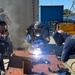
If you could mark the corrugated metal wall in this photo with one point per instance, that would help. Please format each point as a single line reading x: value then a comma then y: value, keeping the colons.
x: 20, y: 13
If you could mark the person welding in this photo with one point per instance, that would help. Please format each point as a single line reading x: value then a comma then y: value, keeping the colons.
x: 37, y: 27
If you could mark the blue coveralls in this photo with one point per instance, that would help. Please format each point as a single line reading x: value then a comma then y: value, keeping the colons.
x: 68, y: 48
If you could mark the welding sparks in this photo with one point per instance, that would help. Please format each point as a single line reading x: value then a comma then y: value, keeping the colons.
x: 37, y: 51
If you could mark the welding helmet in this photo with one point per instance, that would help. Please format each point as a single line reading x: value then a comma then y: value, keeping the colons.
x: 36, y: 24
x: 63, y: 33
x: 59, y: 37
x: 37, y: 29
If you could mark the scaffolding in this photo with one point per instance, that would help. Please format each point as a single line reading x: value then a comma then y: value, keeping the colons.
x: 73, y: 6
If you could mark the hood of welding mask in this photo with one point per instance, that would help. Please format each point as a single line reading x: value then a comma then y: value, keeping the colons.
x: 58, y: 38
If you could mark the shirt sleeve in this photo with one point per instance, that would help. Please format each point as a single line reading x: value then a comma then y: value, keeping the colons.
x: 66, y: 51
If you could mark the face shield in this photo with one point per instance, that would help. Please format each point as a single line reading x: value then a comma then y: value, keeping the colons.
x: 64, y: 34
x: 59, y: 37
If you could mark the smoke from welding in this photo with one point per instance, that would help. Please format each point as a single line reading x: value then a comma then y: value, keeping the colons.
x: 15, y: 11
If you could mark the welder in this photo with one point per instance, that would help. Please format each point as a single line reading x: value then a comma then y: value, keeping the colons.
x: 69, y: 46
x: 38, y: 27
x: 4, y: 37
x: 4, y: 45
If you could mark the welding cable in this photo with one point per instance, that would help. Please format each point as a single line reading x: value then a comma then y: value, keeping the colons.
x: 51, y: 70
x: 58, y: 66
x: 72, y: 64
x: 70, y: 70
x: 62, y: 70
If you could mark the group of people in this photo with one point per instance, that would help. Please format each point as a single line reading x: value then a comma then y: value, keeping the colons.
x: 36, y: 27
x: 69, y: 44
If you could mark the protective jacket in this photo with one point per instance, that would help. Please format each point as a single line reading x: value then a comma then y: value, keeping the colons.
x: 42, y: 29
x: 69, y: 48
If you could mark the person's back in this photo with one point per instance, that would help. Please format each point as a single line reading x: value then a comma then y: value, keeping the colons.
x: 69, y: 48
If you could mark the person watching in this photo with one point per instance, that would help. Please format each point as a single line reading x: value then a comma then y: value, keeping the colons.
x: 69, y: 46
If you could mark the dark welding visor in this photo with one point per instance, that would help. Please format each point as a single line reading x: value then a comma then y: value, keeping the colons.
x: 58, y: 38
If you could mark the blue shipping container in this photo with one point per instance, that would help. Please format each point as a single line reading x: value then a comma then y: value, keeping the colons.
x: 51, y: 13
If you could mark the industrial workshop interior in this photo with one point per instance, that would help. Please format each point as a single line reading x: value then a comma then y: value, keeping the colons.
x: 37, y: 37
